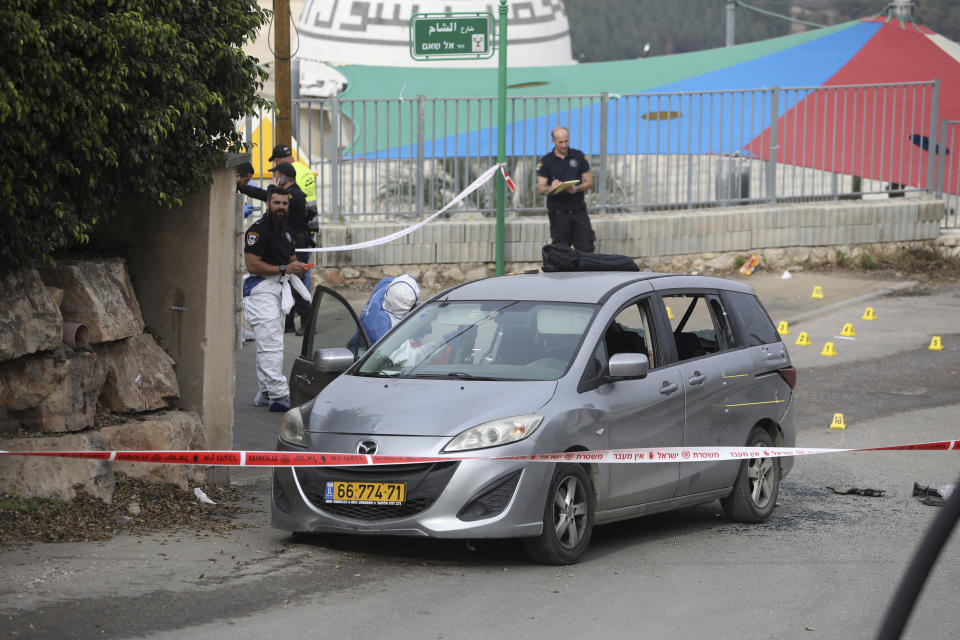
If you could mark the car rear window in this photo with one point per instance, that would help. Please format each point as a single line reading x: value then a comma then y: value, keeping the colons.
x: 754, y: 326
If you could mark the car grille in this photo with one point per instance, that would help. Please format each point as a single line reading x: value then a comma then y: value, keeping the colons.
x: 425, y: 483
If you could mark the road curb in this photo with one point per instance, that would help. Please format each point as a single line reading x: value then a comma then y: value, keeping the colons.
x: 879, y: 293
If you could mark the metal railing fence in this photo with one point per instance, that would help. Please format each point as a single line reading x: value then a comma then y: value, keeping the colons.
x: 385, y: 159
x: 948, y: 171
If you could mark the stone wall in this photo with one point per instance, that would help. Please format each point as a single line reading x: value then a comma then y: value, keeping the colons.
x: 647, y: 235
x: 434, y: 278
x: 806, y: 235
x: 118, y: 392
x: 183, y: 264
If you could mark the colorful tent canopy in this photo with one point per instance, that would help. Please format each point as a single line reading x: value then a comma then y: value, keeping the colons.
x: 895, y: 53
x: 870, y: 51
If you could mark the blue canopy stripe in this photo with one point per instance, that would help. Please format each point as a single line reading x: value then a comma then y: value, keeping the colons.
x: 716, y: 112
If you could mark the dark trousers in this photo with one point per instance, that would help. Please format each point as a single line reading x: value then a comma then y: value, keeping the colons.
x: 571, y: 227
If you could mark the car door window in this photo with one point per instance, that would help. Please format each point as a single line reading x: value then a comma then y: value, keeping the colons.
x: 630, y: 332
x: 333, y: 324
x: 753, y: 324
x: 699, y: 324
x: 722, y: 321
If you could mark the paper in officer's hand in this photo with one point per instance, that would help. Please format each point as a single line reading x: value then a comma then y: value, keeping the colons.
x: 560, y: 187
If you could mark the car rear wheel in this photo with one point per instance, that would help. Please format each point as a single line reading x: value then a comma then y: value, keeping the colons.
x: 758, y: 482
x: 567, y: 518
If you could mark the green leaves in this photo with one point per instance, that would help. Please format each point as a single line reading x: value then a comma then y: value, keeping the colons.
x: 108, y: 99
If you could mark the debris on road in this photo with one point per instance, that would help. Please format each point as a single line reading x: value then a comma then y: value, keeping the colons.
x: 870, y: 493
x: 931, y: 496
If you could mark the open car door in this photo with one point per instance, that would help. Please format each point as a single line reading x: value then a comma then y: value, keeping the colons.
x: 333, y: 323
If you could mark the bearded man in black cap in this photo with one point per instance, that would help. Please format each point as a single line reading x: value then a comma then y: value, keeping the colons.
x: 284, y: 177
x: 270, y: 260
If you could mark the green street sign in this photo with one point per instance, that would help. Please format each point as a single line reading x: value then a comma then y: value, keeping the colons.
x: 451, y: 36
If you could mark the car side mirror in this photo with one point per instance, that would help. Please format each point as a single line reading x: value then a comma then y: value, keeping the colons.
x: 628, y: 366
x: 335, y: 360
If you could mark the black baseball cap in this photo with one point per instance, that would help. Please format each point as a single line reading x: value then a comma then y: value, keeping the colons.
x: 286, y: 169
x: 280, y: 151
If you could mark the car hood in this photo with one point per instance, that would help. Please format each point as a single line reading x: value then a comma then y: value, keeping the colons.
x: 359, y: 405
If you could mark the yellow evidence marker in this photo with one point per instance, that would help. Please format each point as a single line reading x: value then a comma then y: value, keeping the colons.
x: 803, y: 339
x: 783, y: 328
x: 817, y: 293
x: 935, y: 344
x: 838, y: 422
x: 847, y: 331
x: 869, y: 314
x: 828, y: 350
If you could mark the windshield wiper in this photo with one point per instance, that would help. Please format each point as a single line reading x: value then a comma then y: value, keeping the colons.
x: 460, y: 375
x: 376, y: 374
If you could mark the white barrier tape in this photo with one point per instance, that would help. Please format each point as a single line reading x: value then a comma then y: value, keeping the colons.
x: 476, y: 184
x: 324, y: 459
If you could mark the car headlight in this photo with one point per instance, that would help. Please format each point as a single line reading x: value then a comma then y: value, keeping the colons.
x: 495, y: 433
x: 292, y: 424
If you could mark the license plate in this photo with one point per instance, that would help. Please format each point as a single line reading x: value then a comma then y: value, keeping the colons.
x: 389, y: 493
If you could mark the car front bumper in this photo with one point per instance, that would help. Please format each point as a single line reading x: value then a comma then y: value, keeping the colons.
x: 436, y: 493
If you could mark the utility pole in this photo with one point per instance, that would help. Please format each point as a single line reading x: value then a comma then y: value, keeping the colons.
x: 731, y: 22
x: 281, y: 65
x: 501, y: 133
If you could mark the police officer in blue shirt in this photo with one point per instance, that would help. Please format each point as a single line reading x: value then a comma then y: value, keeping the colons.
x: 569, y: 222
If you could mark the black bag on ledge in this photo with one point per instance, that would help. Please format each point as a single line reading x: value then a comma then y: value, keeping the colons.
x: 557, y: 257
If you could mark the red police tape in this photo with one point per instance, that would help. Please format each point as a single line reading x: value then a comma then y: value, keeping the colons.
x: 324, y: 459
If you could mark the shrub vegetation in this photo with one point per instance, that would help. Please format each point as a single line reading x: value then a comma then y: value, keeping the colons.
x: 108, y: 99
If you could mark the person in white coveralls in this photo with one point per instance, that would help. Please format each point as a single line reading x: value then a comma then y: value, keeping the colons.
x: 270, y: 259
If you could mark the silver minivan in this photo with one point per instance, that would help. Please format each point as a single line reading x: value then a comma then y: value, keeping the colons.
x: 537, y: 363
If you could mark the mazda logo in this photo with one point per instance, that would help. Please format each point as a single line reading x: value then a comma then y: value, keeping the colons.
x: 367, y: 447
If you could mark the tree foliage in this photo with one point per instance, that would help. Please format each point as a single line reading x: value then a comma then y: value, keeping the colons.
x: 102, y: 100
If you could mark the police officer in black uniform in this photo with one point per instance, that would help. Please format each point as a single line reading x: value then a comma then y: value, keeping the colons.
x: 298, y: 217
x: 269, y: 258
x: 569, y: 222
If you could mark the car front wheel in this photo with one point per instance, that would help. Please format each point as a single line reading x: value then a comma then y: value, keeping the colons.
x: 758, y: 482
x: 567, y: 518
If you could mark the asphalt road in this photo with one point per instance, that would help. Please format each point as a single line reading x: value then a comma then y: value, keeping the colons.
x: 824, y: 565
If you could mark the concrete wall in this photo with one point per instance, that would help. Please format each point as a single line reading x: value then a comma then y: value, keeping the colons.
x: 182, y: 263
x: 651, y: 234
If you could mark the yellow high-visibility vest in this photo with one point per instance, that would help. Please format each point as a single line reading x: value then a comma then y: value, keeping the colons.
x: 306, y: 180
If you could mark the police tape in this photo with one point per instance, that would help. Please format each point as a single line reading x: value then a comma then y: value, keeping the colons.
x: 655, y: 455
x: 473, y: 186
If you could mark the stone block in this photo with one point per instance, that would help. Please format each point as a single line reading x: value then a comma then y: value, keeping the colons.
x: 334, y: 277
x: 49, y: 477
x: 140, y: 375
x: 369, y: 256
x: 476, y: 273
x: 167, y: 430
x: 451, y: 232
x: 29, y: 318
x: 99, y: 294
x: 52, y: 392
x: 721, y: 263
x: 454, y: 274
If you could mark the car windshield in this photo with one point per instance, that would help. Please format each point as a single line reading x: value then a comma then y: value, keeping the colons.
x: 485, y: 340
